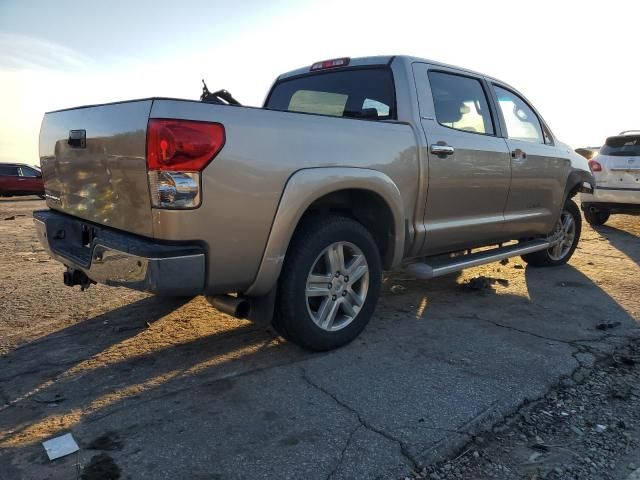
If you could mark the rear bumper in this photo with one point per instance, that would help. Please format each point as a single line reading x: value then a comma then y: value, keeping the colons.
x: 117, y: 258
x: 617, y: 196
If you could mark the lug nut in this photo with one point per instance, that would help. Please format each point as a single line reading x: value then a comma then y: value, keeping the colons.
x: 333, y: 297
x: 329, y: 286
x: 346, y: 278
x: 344, y: 294
x: 337, y: 274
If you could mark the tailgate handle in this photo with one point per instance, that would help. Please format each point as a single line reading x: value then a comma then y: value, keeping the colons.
x: 77, y: 139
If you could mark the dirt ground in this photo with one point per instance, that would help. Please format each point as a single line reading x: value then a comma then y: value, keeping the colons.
x: 170, y: 388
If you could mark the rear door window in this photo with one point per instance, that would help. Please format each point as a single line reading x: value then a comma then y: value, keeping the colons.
x: 461, y: 103
x: 354, y: 93
x: 622, y: 146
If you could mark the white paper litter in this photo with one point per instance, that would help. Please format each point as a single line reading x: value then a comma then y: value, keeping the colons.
x: 60, y: 446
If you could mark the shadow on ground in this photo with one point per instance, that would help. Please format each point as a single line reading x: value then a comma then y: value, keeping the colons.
x: 192, y: 393
x: 622, y: 240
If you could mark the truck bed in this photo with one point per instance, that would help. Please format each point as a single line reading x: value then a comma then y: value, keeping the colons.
x: 106, y: 182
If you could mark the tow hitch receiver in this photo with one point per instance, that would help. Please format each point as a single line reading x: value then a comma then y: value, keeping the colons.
x: 73, y: 277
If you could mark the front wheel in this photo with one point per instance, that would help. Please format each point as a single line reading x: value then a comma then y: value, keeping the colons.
x: 564, y: 239
x: 329, y: 285
x: 596, y: 217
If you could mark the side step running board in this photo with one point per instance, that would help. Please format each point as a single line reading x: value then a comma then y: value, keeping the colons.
x: 442, y: 266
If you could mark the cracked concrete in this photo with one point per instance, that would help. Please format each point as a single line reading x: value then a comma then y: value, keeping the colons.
x: 200, y: 395
x: 403, y: 448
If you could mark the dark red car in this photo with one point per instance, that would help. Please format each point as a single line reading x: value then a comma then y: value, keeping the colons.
x: 20, y: 179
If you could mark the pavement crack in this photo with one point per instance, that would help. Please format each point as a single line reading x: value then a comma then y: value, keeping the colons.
x: 572, y: 343
x: 344, y: 451
x: 403, y: 448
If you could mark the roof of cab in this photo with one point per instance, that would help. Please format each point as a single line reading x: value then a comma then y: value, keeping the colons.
x: 353, y: 62
x: 384, y: 60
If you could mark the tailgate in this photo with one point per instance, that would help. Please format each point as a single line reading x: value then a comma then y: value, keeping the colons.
x: 620, y: 160
x: 625, y: 171
x: 98, y: 172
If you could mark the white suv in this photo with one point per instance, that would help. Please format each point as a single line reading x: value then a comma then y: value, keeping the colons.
x: 616, y: 169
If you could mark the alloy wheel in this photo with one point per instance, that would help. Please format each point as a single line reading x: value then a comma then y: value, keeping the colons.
x: 337, y: 286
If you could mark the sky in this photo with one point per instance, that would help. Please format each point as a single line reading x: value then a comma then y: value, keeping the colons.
x: 574, y: 60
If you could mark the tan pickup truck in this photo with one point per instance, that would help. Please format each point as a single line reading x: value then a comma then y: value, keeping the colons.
x: 289, y: 213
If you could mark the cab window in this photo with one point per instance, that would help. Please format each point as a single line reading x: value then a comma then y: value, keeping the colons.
x: 521, y: 121
x: 366, y: 93
x: 460, y: 103
x: 28, y: 172
x: 9, y: 170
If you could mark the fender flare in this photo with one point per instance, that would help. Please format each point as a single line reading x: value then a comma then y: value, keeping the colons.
x: 579, y: 178
x: 302, y: 189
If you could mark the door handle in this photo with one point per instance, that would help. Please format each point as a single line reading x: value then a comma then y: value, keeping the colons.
x: 444, y: 150
x: 518, y: 154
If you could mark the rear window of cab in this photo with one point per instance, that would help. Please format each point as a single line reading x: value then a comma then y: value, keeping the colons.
x: 352, y: 93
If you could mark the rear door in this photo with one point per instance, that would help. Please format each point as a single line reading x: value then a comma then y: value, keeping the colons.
x: 9, y: 179
x: 619, y: 158
x: 469, y: 167
x: 31, y: 180
x: 539, y: 168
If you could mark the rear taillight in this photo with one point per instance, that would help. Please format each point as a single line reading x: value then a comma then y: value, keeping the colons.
x: 595, y: 166
x: 177, y: 151
x: 182, y: 145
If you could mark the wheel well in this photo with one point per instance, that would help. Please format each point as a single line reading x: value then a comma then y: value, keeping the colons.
x: 575, y: 183
x: 367, y: 208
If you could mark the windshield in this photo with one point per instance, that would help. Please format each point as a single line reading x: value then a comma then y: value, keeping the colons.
x: 622, y: 146
x: 363, y: 93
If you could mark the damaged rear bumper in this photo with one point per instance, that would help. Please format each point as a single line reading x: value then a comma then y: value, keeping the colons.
x: 116, y: 258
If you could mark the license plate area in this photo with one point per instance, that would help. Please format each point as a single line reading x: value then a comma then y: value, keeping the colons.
x: 72, y: 239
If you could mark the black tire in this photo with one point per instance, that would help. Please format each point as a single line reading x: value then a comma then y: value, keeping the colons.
x: 596, y: 217
x: 293, y: 317
x: 544, y: 258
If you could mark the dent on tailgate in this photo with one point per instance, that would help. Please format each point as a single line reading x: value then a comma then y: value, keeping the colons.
x: 105, y: 179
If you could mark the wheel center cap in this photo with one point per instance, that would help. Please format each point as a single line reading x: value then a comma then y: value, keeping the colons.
x: 338, y: 284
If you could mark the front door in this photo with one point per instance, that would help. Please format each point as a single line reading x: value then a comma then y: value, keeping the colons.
x: 539, y: 168
x: 469, y: 164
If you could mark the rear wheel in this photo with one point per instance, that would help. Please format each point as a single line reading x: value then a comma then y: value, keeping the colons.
x: 329, y: 285
x: 564, y: 239
x: 596, y: 217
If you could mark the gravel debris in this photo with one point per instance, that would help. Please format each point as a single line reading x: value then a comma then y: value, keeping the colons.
x: 584, y: 430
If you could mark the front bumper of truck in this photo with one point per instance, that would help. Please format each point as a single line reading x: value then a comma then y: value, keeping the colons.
x: 117, y: 258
